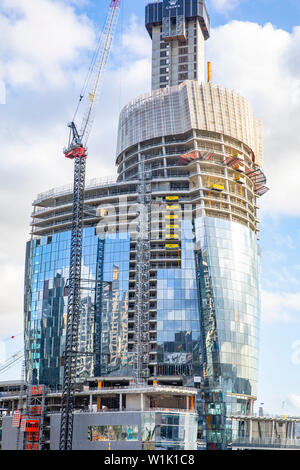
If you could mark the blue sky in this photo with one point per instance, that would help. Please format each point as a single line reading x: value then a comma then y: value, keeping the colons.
x: 43, y: 78
x: 278, y: 12
x: 279, y: 370
x: 281, y: 13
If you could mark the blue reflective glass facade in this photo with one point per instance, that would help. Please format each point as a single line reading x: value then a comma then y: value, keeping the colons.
x: 208, y: 312
x: 46, y: 300
x: 114, y: 358
x: 178, y: 325
x: 169, y: 431
x: 228, y: 273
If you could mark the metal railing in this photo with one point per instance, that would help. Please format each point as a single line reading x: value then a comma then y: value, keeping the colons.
x: 267, y: 443
x: 68, y: 189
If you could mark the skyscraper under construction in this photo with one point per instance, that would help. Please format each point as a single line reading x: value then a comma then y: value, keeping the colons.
x: 171, y: 261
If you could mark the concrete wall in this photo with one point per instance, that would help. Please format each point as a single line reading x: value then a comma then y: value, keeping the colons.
x: 10, y: 434
x: 133, y: 402
x: 83, y: 420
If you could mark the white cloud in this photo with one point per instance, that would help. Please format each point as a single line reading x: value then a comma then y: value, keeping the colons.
x: 11, y: 277
x: 262, y: 63
x: 281, y: 306
x: 281, y: 279
x: 39, y: 53
x: 283, y: 240
x: 294, y: 400
x: 295, y: 357
x: 35, y: 130
x: 134, y: 39
x: 42, y: 42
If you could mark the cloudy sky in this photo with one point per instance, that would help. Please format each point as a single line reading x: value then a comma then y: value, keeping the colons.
x: 44, y: 55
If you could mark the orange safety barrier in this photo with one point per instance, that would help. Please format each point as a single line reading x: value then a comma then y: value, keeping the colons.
x: 35, y: 410
x: 32, y: 425
x: 33, y: 390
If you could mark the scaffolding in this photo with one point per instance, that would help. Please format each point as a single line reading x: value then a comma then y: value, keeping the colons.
x: 31, y: 420
x: 259, y: 180
x: 164, y: 112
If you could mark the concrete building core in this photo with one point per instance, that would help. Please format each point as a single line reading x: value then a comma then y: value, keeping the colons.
x: 178, y: 30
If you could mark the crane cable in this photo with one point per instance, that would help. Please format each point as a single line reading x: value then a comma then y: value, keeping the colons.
x: 11, y: 361
x: 88, y: 77
x: 16, y: 357
x: 89, y: 73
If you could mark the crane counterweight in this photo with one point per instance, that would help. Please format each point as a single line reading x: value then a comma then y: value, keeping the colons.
x: 75, y: 152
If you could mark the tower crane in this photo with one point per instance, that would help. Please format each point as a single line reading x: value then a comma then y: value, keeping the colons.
x: 77, y: 151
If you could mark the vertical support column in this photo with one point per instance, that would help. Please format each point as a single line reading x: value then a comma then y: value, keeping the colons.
x: 291, y: 430
x: 165, y: 167
x: 121, y: 402
x: 100, y: 384
x: 228, y: 192
x: 222, y: 145
x: 199, y: 177
x: 250, y: 430
x: 201, y: 193
x: 164, y: 157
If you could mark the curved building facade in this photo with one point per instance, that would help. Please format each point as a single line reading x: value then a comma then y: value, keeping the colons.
x: 171, y: 260
x: 191, y: 105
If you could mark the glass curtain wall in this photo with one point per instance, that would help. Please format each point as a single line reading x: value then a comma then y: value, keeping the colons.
x: 228, y: 273
x: 46, y: 301
x: 178, y: 326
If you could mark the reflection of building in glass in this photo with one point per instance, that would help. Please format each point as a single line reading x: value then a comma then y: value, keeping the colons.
x: 193, y: 152
x: 228, y: 267
x: 174, y: 431
x: 112, y: 433
x: 114, y: 308
x: 85, y: 341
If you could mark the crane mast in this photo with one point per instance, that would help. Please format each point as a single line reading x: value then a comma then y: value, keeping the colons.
x: 77, y: 151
